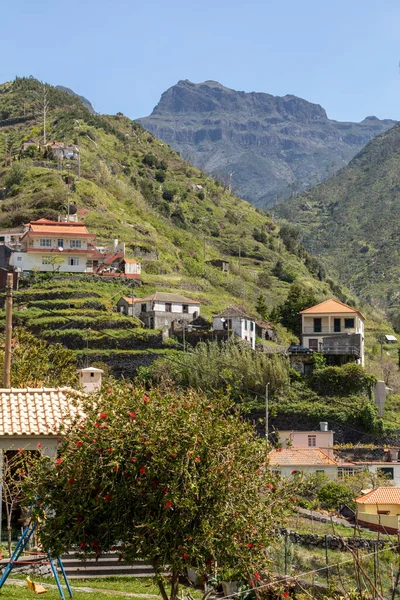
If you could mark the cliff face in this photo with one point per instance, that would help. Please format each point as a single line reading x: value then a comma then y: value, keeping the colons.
x: 273, y: 146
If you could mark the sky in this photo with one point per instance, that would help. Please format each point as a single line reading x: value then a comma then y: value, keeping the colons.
x: 123, y: 54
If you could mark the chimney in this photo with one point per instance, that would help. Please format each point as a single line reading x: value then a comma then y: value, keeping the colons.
x: 323, y: 426
x: 90, y: 379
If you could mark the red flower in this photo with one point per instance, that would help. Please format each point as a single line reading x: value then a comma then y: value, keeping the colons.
x: 165, y: 490
x: 146, y: 399
x: 168, y: 504
x: 109, y: 390
x: 110, y: 449
x: 82, y: 544
x: 116, y: 469
x: 103, y: 415
x: 96, y: 425
x: 59, y: 461
x: 133, y: 459
x: 107, y: 498
x: 132, y: 415
x: 79, y: 444
x: 95, y: 543
x: 197, y: 459
x: 257, y: 576
x: 250, y: 545
x: 39, y: 445
x: 71, y: 481
x: 143, y: 470
x: 20, y: 451
x: 22, y: 474
x: 185, y: 556
x: 286, y: 594
x: 174, y: 455
x: 269, y: 486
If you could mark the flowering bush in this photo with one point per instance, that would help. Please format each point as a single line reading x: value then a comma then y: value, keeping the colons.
x: 167, y: 476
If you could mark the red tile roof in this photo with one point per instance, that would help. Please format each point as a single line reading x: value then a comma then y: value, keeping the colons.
x: 44, y: 226
x: 381, y: 495
x: 330, y: 306
x: 287, y: 457
x: 35, y: 411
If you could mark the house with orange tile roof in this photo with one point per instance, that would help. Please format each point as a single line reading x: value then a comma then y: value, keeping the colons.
x: 379, y: 509
x: 291, y: 461
x: 336, y: 330
x: 43, y: 239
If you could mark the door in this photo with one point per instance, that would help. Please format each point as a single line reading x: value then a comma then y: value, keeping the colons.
x: 336, y: 325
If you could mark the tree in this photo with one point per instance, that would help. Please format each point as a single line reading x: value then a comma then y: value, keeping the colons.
x: 37, y: 364
x: 55, y: 260
x: 170, y: 476
x: 262, y: 307
x: 299, y: 298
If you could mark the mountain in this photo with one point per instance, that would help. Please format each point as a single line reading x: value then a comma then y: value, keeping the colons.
x: 272, y: 145
x: 134, y: 187
x: 86, y: 103
x: 352, y: 221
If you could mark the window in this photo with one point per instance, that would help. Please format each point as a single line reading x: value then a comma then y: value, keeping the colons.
x: 349, y: 323
x: 19, y: 258
x: 245, y: 325
x: 73, y: 261
x: 185, y: 308
x: 313, y: 345
x: 336, y: 325
x: 143, y: 307
x: 168, y: 307
x: 2, y: 238
x: 45, y: 243
x: 75, y: 244
x: 320, y: 471
x: 46, y: 260
x: 60, y: 243
x: 312, y: 441
x: 251, y: 325
x: 317, y: 325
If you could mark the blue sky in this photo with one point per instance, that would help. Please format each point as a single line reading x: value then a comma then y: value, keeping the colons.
x: 122, y: 54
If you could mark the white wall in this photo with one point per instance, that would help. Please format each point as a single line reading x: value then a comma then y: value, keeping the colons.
x: 330, y: 471
x: 30, y: 260
x: 240, y: 326
x: 133, y: 268
x: 34, y: 242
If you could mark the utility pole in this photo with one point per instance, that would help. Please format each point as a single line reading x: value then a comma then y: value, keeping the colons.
x: 266, y: 412
x: 8, y: 341
x: 79, y: 163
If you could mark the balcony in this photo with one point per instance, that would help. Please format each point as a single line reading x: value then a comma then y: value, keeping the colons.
x: 326, y: 330
x: 345, y: 345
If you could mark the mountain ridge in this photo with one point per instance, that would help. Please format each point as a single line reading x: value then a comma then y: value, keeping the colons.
x: 268, y: 146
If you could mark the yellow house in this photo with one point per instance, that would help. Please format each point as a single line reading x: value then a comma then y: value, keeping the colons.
x: 336, y: 330
x: 380, y: 509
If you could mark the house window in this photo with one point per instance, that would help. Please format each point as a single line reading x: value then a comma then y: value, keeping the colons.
x: 320, y: 471
x: 312, y: 441
x: 386, y: 471
x: 245, y: 325
x: 251, y: 326
x: 336, y: 325
x: 317, y: 325
x: 73, y: 261
x: 75, y: 244
x: 185, y: 308
x: 168, y: 307
x: 313, y: 345
x: 19, y: 258
x: 60, y: 243
x: 45, y: 243
x: 2, y: 238
x: 143, y: 307
x: 46, y: 260
x: 349, y: 323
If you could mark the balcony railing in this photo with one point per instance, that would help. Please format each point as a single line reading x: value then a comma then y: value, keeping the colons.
x: 324, y: 330
x: 342, y: 349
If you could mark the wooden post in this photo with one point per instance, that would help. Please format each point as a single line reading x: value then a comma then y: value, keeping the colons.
x: 8, y: 340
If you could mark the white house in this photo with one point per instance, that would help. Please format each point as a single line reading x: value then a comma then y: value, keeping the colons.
x: 241, y: 325
x: 290, y: 461
x: 44, y: 239
x: 160, y: 309
x: 12, y: 237
x: 336, y: 330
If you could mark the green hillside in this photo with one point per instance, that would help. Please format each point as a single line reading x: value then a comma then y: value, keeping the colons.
x: 352, y: 222
x: 135, y: 188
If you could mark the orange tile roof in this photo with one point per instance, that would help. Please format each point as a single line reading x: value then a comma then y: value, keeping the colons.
x: 330, y: 306
x: 55, y: 227
x: 35, y: 411
x: 131, y: 260
x: 381, y: 495
x: 287, y: 457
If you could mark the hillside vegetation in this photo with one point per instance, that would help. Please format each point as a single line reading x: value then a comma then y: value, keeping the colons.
x: 352, y: 222
x: 135, y: 188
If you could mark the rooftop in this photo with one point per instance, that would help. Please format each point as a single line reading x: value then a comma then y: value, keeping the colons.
x: 330, y: 306
x: 231, y: 312
x: 35, y: 411
x: 299, y: 457
x: 381, y: 495
x: 56, y: 227
x: 163, y: 297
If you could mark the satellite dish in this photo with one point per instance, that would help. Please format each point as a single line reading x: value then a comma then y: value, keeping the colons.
x: 60, y: 249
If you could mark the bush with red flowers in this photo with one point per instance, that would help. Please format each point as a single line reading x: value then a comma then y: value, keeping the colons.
x: 180, y: 487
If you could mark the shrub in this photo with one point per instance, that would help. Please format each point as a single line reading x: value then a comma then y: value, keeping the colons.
x: 333, y: 495
x: 160, y: 176
x: 342, y: 381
